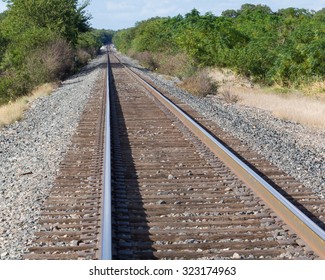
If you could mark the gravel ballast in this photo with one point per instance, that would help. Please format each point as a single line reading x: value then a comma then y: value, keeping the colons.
x: 297, y: 150
x: 30, y: 153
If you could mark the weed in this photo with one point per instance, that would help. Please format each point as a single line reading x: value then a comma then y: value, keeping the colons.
x: 228, y: 96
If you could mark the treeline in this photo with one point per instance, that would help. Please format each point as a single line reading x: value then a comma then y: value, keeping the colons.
x: 43, y: 41
x: 286, y: 47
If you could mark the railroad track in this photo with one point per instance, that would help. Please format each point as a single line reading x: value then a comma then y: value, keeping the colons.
x: 71, y: 218
x: 172, y: 197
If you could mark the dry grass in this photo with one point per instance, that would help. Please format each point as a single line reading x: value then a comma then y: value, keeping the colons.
x: 301, y: 109
x: 227, y: 78
x: 14, y: 111
x: 228, y: 96
x: 306, y: 107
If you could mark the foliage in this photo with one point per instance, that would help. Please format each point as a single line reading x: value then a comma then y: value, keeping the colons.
x: 124, y: 38
x: 49, y: 62
x: 286, y: 47
x: 63, y: 17
x: 3, y: 40
x: 40, y: 40
x: 105, y: 36
x: 89, y: 42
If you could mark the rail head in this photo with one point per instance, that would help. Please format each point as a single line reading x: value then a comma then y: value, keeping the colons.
x: 106, y: 238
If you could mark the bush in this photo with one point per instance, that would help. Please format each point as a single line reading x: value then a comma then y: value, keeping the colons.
x: 37, y: 43
x: 6, y: 82
x: 148, y: 60
x: 179, y: 65
x: 200, y: 84
x: 14, y: 84
x: 83, y: 57
x: 89, y: 42
x: 50, y: 62
x: 229, y: 97
x: 285, y: 47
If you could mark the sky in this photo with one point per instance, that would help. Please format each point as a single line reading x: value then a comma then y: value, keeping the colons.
x: 119, y: 14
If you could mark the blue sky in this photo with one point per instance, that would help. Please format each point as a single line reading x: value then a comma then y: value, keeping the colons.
x: 118, y: 14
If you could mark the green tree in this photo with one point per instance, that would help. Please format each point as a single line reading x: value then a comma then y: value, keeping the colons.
x: 230, y: 13
x: 302, y: 51
x: 37, y: 38
x: 149, y: 35
x: 89, y: 42
x: 124, y: 38
x: 64, y: 17
x: 286, y: 47
x: 3, y: 41
x: 105, y: 36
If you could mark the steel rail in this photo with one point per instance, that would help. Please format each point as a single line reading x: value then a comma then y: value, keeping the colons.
x: 304, y: 227
x: 106, y: 238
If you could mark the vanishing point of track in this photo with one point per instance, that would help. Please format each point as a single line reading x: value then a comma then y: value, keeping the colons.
x: 172, y: 197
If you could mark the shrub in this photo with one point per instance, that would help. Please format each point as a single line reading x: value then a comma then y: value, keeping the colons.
x: 200, y: 84
x: 50, y: 62
x: 228, y: 96
x: 179, y: 65
x: 148, y: 60
x: 83, y: 57
x: 6, y: 82
x: 14, y: 84
x: 89, y: 42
